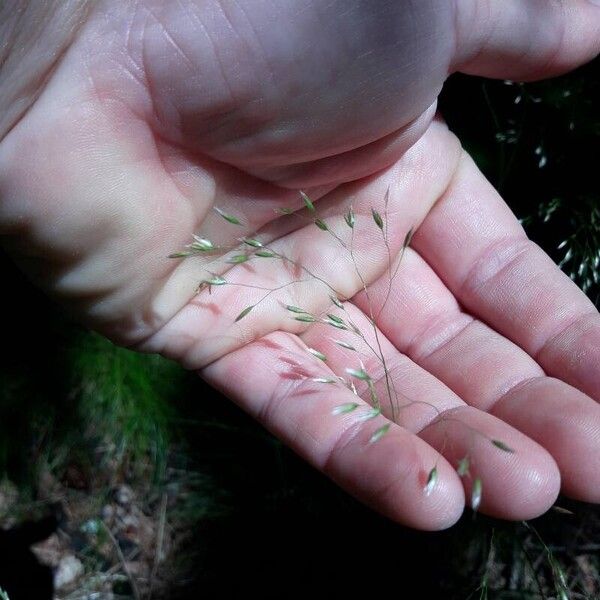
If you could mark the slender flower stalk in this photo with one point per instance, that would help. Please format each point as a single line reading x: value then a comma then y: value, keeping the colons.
x: 334, y: 314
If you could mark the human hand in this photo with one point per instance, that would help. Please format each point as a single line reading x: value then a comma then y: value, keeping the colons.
x: 123, y: 124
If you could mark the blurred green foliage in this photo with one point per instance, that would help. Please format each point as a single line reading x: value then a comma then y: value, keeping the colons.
x: 125, y: 393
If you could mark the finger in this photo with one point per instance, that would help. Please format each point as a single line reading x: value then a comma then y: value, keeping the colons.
x: 488, y: 371
x: 567, y: 423
x: 272, y: 380
x: 519, y: 484
x: 478, y: 248
x: 525, y: 39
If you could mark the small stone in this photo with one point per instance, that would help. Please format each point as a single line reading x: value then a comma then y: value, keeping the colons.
x: 69, y: 569
x: 130, y: 522
x: 124, y: 495
x: 91, y: 527
x: 50, y: 551
x: 108, y: 512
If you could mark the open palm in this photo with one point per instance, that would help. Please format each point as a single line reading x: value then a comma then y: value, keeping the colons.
x: 149, y: 114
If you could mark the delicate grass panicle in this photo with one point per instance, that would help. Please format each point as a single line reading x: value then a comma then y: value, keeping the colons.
x: 561, y: 588
x: 366, y: 343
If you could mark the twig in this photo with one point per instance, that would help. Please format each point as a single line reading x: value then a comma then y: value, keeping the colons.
x: 113, y: 539
x: 160, y: 538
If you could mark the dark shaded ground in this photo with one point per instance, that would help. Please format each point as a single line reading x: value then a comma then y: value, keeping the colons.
x: 21, y: 574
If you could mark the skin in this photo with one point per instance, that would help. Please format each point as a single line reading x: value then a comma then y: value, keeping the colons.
x: 123, y: 123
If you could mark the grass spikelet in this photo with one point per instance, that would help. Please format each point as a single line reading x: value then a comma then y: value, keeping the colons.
x: 377, y: 218
x: 350, y: 218
x: 238, y: 259
x: 317, y: 354
x: 345, y: 345
x: 254, y: 243
x: 359, y: 374
x: 563, y: 511
x: 371, y: 414
x: 296, y: 309
x: 379, y: 433
x: 476, y: 494
x: 324, y: 380
x: 198, y: 245
x: 463, y: 467
x: 307, y: 202
x: 344, y: 409
x: 229, y: 218
x: 335, y: 318
x: 336, y: 301
x: 373, y: 394
x: 431, y: 481
x: 321, y: 225
x: 202, y: 244
x: 244, y: 313
x: 215, y: 280
x: 502, y: 446
x: 265, y: 254
x: 306, y: 318
x: 335, y: 324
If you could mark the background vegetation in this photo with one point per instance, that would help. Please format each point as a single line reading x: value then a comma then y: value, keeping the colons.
x: 158, y: 487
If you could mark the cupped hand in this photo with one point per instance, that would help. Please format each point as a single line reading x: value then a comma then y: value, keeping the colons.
x: 124, y: 124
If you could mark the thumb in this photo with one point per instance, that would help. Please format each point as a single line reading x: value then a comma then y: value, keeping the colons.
x: 525, y: 39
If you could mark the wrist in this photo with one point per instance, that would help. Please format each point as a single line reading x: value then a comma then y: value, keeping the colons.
x: 34, y: 35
